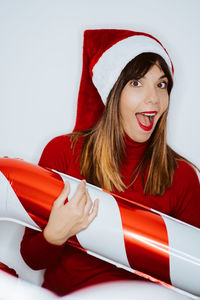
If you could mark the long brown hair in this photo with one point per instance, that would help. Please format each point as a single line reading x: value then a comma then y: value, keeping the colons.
x: 103, y: 148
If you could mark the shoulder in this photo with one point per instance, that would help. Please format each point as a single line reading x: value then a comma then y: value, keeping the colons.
x: 185, y: 173
x: 186, y: 182
x: 57, y: 153
x: 57, y: 146
x: 58, y: 143
x: 186, y: 191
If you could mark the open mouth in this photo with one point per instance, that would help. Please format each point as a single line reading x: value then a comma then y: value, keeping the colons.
x: 146, y: 119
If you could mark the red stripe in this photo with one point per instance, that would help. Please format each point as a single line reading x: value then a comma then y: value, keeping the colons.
x: 145, y: 237
x: 127, y: 200
x: 141, y: 274
x: 36, y: 188
x: 146, y: 241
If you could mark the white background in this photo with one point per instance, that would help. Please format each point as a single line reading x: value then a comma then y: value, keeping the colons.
x: 40, y: 69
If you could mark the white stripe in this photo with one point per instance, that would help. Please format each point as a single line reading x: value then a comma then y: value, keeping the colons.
x: 184, y: 249
x: 104, y: 236
x: 112, y: 62
x: 11, y: 208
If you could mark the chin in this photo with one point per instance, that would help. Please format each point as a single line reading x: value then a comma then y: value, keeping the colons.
x: 142, y: 138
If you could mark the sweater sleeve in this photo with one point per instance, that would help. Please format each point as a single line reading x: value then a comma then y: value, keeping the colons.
x: 187, y: 204
x: 35, y: 250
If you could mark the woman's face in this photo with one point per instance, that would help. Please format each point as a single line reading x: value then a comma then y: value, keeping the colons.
x: 142, y: 103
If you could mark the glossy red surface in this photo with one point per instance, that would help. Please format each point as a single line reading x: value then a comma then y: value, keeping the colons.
x: 146, y: 241
x: 36, y: 188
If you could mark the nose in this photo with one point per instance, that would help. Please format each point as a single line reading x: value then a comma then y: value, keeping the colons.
x: 151, y: 95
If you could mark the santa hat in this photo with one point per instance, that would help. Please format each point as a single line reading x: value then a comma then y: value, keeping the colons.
x: 105, y: 54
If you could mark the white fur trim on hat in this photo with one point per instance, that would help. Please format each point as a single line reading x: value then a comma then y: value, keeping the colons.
x: 108, y: 68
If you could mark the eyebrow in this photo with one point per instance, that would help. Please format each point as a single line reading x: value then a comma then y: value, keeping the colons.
x: 163, y: 76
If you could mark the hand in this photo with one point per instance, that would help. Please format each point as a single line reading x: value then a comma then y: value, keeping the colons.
x: 67, y: 219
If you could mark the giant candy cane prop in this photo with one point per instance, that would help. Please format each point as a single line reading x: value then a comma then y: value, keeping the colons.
x: 138, y: 239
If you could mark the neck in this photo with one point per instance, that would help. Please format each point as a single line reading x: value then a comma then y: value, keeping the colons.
x: 134, y: 150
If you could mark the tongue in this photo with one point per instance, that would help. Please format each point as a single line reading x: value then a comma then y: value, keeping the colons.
x: 144, y: 120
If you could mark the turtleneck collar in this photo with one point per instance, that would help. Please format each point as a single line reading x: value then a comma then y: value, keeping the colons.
x: 134, y: 150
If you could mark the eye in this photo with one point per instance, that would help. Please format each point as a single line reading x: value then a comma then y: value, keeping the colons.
x: 135, y: 83
x: 163, y: 85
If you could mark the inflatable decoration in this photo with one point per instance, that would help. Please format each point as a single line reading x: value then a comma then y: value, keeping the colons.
x: 136, y: 238
x: 129, y: 290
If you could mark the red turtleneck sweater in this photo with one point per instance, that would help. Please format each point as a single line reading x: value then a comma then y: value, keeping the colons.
x: 68, y: 269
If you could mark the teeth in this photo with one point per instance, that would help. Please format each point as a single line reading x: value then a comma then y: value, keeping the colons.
x: 149, y: 114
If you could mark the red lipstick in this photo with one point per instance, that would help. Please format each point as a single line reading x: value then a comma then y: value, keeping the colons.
x: 146, y: 119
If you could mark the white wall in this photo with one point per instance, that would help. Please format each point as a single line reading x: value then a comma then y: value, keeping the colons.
x: 40, y: 68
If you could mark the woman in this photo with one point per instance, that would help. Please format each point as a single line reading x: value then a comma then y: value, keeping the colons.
x: 122, y: 149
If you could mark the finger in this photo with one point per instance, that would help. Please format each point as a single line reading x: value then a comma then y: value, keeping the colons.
x: 79, y: 197
x: 88, y: 204
x: 64, y: 195
x: 94, y: 211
